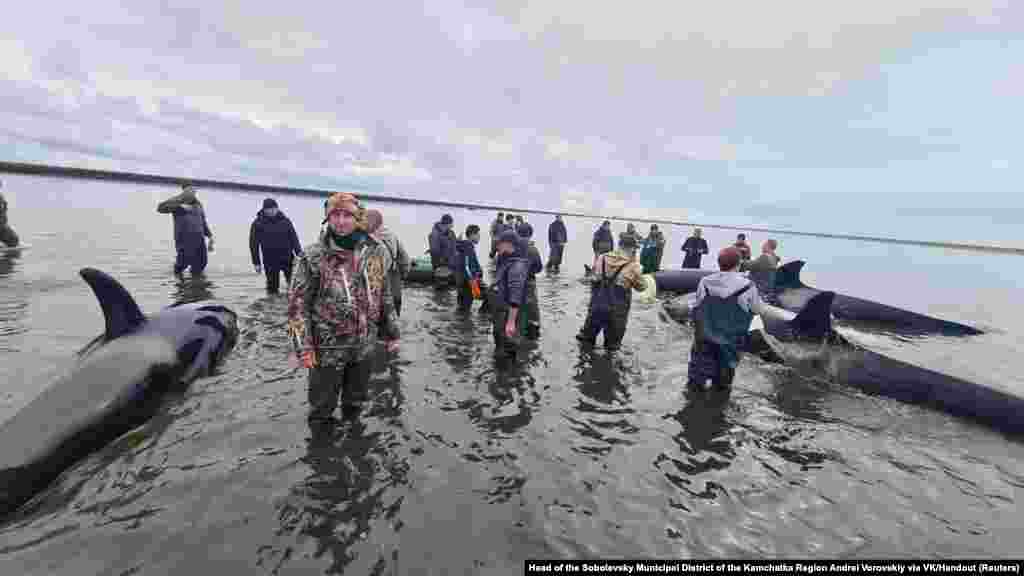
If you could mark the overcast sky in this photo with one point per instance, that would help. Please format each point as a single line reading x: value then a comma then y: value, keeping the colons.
x: 896, y: 116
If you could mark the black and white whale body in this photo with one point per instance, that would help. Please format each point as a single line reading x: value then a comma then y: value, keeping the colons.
x: 793, y: 294
x: 812, y: 323
x: 116, y: 385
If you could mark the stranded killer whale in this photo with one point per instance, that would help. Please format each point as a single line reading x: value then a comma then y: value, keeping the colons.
x: 813, y: 323
x: 793, y: 294
x: 117, y: 384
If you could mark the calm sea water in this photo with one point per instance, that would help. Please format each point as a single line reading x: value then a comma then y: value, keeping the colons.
x: 457, y: 468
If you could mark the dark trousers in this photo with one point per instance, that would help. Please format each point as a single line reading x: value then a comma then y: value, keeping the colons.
x: 274, y: 272
x: 692, y: 261
x: 464, y: 295
x: 705, y: 366
x: 614, y: 328
x: 532, y: 310
x: 8, y: 237
x: 506, y: 348
x: 193, y: 257
x: 555, y: 258
x: 327, y: 383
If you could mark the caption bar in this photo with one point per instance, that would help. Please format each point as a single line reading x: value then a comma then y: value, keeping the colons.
x: 771, y: 567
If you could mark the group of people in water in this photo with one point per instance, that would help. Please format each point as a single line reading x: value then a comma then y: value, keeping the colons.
x: 345, y: 290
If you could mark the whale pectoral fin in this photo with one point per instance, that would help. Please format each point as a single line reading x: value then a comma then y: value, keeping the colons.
x: 815, y: 320
x: 120, y: 312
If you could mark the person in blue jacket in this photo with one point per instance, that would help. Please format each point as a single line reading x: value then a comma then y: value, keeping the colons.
x: 273, y: 234
x: 467, y: 268
x: 508, y: 295
x: 536, y: 266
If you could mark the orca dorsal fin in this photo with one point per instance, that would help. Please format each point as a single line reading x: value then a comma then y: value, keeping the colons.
x: 815, y: 320
x: 121, y: 313
x: 788, y: 275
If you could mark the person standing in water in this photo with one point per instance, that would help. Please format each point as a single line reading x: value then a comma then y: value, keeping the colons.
x: 7, y: 235
x: 467, y: 269
x: 273, y: 234
x: 762, y: 271
x: 558, y: 236
x: 725, y: 304
x: 616, y: 273
x: 536, y: 267
x: 190, y: 227
x: 497, y: 227
x: 742, y: 246
x: 603, y: 239
x: 695, y: 248
x: 340, y: 304
x: 659, y: 245
x: 631, y: 231
x: 398, y: 259
x: 508, y: 295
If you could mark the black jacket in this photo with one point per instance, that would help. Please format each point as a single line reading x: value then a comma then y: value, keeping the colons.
x: 276, y: 237
x: 512, y: 276
x: 557, y: 234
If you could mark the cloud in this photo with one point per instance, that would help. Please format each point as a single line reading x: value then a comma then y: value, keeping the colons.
x: 647, y: 108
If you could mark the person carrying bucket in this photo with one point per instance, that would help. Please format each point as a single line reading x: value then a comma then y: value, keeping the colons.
x: 468, y: 274
x: 616, y: 273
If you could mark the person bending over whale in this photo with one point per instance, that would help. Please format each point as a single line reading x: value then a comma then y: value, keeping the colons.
x: 762, y: 271
x: 189, y: 228
x: 7, y: 235
x: 340, y: 302
x: 610, y: 297
x: 725, y: 304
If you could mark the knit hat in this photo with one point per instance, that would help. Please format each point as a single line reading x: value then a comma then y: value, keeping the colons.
x: 269, y: 203
x: 346, y: 202
x: 447, y: 219
x: 728, y: 258
x: 525, y: 230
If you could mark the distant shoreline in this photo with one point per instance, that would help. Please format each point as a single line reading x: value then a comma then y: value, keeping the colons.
x: 86, y: 173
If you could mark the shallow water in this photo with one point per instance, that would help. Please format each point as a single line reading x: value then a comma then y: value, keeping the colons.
x: 457, y: 468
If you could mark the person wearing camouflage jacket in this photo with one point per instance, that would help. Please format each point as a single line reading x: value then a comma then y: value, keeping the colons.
x: 340, y: 303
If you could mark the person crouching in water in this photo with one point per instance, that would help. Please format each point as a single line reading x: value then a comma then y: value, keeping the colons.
x: 273, y: 234
x: 536, y: 266
x: 467, y: 269
x: 398, y: 259
x: 725, y: 304
x: 615, y: 274
x: 508, y: 295
x: 340, y: 303
x: 7, y: 235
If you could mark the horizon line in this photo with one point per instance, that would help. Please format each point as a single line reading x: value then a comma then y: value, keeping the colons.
x: 33, y: 169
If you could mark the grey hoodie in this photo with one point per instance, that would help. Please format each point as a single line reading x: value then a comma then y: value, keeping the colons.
x: 725, y: 284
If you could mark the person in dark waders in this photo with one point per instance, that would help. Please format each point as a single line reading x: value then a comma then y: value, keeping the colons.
x: 398, y: 259
x: 7, y: 234
x: 603, y: 239
x: 695, y: 248
x: 340, y: 303
x: 442, y: 249
x: 615, y: 274
x: 497, y: 227
x: 273, y: 234
x: 468, y: 271
x: 536, y: 266
x: 725, y: 304
x: 508, y: 296
x: 190, y: 227
x: 558, y: 236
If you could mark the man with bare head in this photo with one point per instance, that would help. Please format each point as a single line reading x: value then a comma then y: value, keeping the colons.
x: 397, y: 265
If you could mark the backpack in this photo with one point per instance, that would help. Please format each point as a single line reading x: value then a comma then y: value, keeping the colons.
x: 603, y: 295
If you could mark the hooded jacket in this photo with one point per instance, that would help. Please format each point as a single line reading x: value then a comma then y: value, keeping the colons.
x: 631, y: 277
x: 512, y: 276
x: 340, y: 301
x: 276, y: 238
x: 398, y: 258
x: 725, y: 284
x: 442, y: 245
x: 536, y: 265
x: 465, y: 256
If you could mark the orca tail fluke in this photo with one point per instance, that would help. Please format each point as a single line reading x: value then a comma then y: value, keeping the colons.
x: 815, y: 320
x: 120, y: 312
x: 788, y: 275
